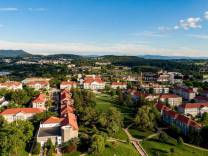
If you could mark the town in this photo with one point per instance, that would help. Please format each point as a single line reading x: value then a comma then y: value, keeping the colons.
x: 108, y: 105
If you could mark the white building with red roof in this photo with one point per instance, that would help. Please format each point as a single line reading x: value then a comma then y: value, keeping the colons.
x: 171, y: 99
x: 185, y: 92
x: 193, y: 109
x: 68, y: 85
x: 38, y: 85
x: 14, y: 114
x: 11, y: 85
x: 94, y: 83
x: 121, y: 85
x: 182, y: 122
x: 39, y: 101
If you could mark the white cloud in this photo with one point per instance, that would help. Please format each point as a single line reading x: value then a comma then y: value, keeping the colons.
x: 37, y: 9
x: 190, y: 23
x: 100, y: 49
x: 176, y: 27
x: 206, y: 15
x: 200, y: 36
x: 148, y: 34
x: 9, y: 9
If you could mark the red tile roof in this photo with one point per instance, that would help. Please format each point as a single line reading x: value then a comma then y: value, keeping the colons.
x: 71, y: 120
x: 53, y: 119
x: 119, y: 83
x: 11, y: 83
x: 91, y: 79
x: 39, y: 99
x: 167, y: 96
x: 68, y: 83
x: 194, y: 105
x: 24, y: 110
x: 37, y: 82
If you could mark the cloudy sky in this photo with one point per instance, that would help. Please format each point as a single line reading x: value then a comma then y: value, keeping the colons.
x: 122, y: 27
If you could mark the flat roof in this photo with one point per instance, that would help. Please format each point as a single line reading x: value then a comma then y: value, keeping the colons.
x: 49, y: 131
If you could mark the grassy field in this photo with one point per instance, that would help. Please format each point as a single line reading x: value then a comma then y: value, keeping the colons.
x: 140, y: 134
x: 154, y: 147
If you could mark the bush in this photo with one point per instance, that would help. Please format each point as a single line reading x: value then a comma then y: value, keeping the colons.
x: 163, y: 137
x: 172, y: 150
x: 180, y: 141
x: 36, y: 148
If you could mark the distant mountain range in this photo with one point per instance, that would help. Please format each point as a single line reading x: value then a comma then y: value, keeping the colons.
x: 14, y: 53
x: 162, y: 57
x: 22, y: 53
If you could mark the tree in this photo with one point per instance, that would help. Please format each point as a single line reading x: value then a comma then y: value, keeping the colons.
x: 163, y: 137
x: 128, y: 101
x: 205, y: 118
x: 98, y: 144
x: 146, y: 117
x: 36, y: 149
x: 180, y: 141
x: 49, y: 147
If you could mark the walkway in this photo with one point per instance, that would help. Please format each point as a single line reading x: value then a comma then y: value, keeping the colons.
x: 136, y: 143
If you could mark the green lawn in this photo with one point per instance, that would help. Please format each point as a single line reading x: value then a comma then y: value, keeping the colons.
x: 154, y: 147
x: 140, y: 134
x: 104, y: 101
x: 119, y: 149
x: 121, y: 135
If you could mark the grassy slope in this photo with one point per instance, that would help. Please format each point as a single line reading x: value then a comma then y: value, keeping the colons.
x: 153, y: 147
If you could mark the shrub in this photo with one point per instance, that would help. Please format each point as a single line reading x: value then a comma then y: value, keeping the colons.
x: 36, y: 148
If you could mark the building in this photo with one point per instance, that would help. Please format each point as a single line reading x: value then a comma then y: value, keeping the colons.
x: 68, y: 85
x: 60, y: 129
x: 182, y: 122
x: 38, y: 85
x: 171, y: 99
x: 121, y: 85
x: 155, y: 88
x: 185, y: 92
x: 175, y: 77
x: 193, y: 109
x: 11, y: 85
x: 14, y: 114
x: 93, y: 82
x: 39, y: 101
x: 32, y: 79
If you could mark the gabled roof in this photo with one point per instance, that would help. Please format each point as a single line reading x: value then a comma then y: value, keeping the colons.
x: 68, y: 83
x: 39, y: 99
x: 71, y: 120
x: 53, y: 119
x: 10, y: 83
x: 194, y: 105
x: 37, y: 82
x: 23, y: 110
x: 167, y: 96
x: 119, y: 83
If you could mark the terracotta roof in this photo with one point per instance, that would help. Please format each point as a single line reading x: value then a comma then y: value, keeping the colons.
x: 161, y: 106
x: 167, y: 96
x: 171, y: 113
x: 39, y: 99
x: 24, y: 110
x: 194, y: 105
x: 71, y: 120
x: 38, y: 82
x: 68, y: 83
x: 53, y: 119
x: 10, y: 83
x: 119, y: 83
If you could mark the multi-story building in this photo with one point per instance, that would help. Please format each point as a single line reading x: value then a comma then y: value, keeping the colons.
x: 186, y: 93
x: 171, y: 99
x: 94, y: 83
x: 39, y: 101
x: 68, y: 85
x: 60, y: 129
x: 182, y: 122
x: 14, y: 114
x: 38, y: 85
x: 193, y: 109
x: 11, y: 85
x: 121, y: 85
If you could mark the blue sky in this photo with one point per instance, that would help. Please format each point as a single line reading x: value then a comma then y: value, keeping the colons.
x: 121, y: 27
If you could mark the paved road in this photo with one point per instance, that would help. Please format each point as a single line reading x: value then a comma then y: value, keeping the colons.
x: 136, y: 143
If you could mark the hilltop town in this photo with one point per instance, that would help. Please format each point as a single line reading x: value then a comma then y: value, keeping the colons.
x: 103, y: 106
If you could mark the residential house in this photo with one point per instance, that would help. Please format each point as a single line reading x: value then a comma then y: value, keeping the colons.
x: 39, y: 101
x: 38, y: 85
x: 185, y: 92
x: 93, y: 82
x: 193, y: 109
x: 171, y: 99
x: 11, y: 85
x: 121, y: 85
x: 14, y: 114
x: 68, y: 85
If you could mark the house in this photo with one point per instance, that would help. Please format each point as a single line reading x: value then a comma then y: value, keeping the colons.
x: 121, y: 85
x: 93, y: 82
x: 185, y: 92
x: 182, y: 122
x: 171, y: 99
x: 39, y: 101
x: 32, y: 79
x: 193, y: 109
x: 155, y: 87
x: 175, y: 77
x: 14, y: 114
x: 11, y: 85
x: 68, y: 85
x: 60, y: 129
x: 38, y: 85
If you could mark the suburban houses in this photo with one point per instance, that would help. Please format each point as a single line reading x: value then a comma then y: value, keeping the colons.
x: 11, y: 85
x: 121, y: 85
x: 39, y: 101
x: 68, y: 85
x: 93, y: 82
x: 38, y: 85
x: 171, y: 99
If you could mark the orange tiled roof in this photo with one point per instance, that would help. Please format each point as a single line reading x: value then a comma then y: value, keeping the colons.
x: 119, y: 83
x: 53, y: 119
x: 166, y: 96
x: 38, y: 82
x: 39, y: 99
x: 24, y: 110
x: 10, y: 83
x: 68, y: 83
